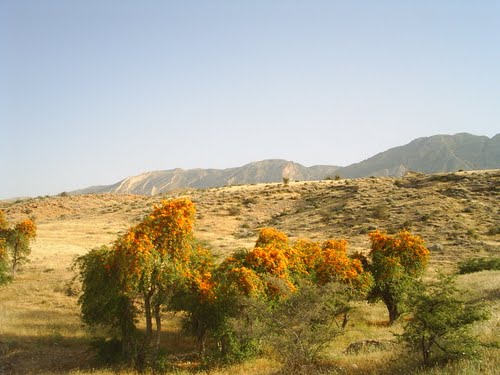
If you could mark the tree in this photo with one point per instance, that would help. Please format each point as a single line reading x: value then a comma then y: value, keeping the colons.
x: 397, y: 262
x: 145, y: 267
x: 441, y: 321
x: 18, y: 243
x: 14, y: 245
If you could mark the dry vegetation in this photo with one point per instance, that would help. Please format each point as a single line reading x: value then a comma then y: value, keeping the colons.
x: 457, y: 214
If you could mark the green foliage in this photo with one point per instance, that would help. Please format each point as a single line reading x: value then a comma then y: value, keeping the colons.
x: 300, y: 327
x: 286, y: 181
x: 109, y: 351
x: 494, y: 230
x: 478, y: 264
x: 5, y: 276
x: 102, y: 301
x: 441, y: 320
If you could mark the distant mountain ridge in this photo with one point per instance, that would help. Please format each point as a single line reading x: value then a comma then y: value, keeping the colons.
x: 272, y: 170
x: 439, y: 153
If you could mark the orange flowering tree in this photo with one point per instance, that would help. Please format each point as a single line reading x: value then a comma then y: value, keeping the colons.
x: 146, y: 266
x: 397, y: 263
x: 274, y: 267
x: 15, y: 244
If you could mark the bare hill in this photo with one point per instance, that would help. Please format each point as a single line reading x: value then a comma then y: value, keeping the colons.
x: 440, y: 153
x: 152, y: 183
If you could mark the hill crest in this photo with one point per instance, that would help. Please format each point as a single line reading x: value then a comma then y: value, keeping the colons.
x: 435, y: 154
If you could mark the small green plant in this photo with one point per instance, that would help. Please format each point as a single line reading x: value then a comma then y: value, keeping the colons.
x: 234, y: 211
x: 478, y: 264
x: 494, y: 230
x: 249, y: 200
x: 472, y: 233
x: 380, y: 212
x: 300, y: 327
x: 441, y: 321
x: 286, y: 181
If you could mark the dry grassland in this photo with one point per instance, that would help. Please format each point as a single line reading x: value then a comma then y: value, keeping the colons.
x: 40, y: 330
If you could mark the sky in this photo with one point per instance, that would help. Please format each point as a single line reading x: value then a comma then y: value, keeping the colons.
x: 92, y: 92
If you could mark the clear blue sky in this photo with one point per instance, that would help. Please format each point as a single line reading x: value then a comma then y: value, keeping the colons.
x: 94, y: 91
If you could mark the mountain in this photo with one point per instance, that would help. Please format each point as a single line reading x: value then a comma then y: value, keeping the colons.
x: 272, y: 170
x: 439, y: 153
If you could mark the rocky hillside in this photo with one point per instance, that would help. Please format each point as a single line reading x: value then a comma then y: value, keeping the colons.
x: 440, y: 153
x: 274, y: 170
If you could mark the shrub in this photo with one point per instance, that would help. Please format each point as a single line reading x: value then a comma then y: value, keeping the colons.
x: 234, y: 211
x: 494, y: 230
x: 380, y: 212
x: 300, y: 327
x: 441, y: 322
x: 478, y: 264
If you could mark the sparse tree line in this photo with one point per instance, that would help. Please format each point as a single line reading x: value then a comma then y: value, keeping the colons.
x: 291, y: 297
x: 15, y: 248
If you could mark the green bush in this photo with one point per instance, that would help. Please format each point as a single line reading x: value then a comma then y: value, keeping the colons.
x: 234, y: 211
x: 478, y: 264
x: 440, y: 327
x: 298, y: 328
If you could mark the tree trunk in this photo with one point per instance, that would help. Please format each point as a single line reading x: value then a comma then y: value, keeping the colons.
x: 157, y: 312
x: 143, y: 350
x: 425, y: 351
x: 392, y: 308
x: 345, y: 320
x: 148, y: 315
x: 15, y: 259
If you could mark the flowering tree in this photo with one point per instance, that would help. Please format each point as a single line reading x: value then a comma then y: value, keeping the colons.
x: 15, y: 244
x: 397, y: 262
x: 145, y: 266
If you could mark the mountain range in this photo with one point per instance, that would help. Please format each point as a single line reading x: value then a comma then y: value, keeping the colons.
x: 438, y: 153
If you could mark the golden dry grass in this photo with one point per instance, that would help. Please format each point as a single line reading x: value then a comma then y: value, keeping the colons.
x: 40, y: 330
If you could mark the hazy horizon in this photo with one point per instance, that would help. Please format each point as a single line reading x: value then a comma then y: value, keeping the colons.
x: 92, y: 92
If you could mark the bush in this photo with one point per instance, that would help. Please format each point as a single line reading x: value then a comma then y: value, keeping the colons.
x: 494, y: 230
x: 478, y: 264
x: 441, y: 322
x: 300, y: 327
x: 234, y: 211
x: 108, y: 351
x: 380, y: 212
